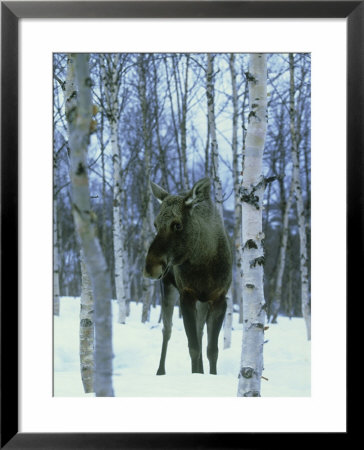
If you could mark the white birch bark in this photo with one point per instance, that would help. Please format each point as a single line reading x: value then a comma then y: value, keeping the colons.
x: 127, y: 277
x: 228, y: 322
x: 237, y: 212
x: 80, y: 117
x: 112, y: 86
x: 101, y: 129
x: 289, y: 305
x: 296, y: 180
x: 277, y: 296
x: 236, y: 180
x: 212, y: 127
x: 184, y: 126
x: 87, y: 334
x: 244, y: 129
x: 87, y: 331
x: 56, y: 293
x: 157, y: 113
x: 147, y: 285
x: 147, y: 223
x: 174, y: 120
x: 252, y: 191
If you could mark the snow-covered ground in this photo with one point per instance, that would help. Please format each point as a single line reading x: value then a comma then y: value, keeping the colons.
x: 287, y: 358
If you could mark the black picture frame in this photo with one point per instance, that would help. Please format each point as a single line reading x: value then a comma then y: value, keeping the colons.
x: 11, y: 12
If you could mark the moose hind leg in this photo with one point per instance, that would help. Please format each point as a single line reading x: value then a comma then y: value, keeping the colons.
x: 189, y: 315
x: 215, y: 320
x: 168, y: 301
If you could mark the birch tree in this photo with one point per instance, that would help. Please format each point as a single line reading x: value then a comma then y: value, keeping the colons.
x: 110, y: 70
x: 147, y: 221
x: 238, y: 235
x: 181, y: 100
x: 252, y: 191
x: 79, y: 115
x: 56, y: 241
x: 210, y: 94
x: 100, y: 133
x: 237, y: 166
x: 56, y: 265
x: 56, y: 302
x: 87, y: 327
x: 87, y: 331
x: 157, y: 110
x: 237, y: 210
x: 277, y: 295
x: 296, y: 180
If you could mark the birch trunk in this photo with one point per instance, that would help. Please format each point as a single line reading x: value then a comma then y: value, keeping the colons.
x: 173, y: 118
x: 56, y: 293
x: 236, y: 179
x: 147, y: 285
x: 79, y: 115
x: 161, y: 150
x: 87, y: 331
x: 118, y: 232
x: 289, y: 306
x: 252, y: 191
x: 112, y: 87
x: 228, y: 324
x: 207, y: 151
x: 128, y: 274
x: 296, y: 180
x: 212, y: 126
x: 147, y: 223
x: 245, y: 104
x: 277, y: 296
x: 102, y: 151
x: 184, y: 126
x: 127, y: 277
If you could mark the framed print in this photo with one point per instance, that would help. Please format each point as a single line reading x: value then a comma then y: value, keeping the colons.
x: 36, y: 37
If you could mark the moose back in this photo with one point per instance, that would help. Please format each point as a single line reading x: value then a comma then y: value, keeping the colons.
x: 191, y: 253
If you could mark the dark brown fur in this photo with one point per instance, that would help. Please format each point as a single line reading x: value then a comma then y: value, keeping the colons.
x: 192, y: 252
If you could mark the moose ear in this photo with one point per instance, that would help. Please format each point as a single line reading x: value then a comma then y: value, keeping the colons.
x: 199, y: 192
x: 159, y: 193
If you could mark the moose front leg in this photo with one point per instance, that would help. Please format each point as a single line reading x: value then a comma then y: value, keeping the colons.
x: 214, y: 321
x: 169, y: 294
x: 189, y: 315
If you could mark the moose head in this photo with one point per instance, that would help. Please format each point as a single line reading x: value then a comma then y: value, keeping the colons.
x: 177, y: 228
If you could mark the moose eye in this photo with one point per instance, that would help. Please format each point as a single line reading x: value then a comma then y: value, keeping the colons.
x: 176, y: 226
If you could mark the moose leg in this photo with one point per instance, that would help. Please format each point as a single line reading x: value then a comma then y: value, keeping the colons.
x: 189, y: 315
x: 168, y: 301
x: 215, y: 319
x: 202, y: 310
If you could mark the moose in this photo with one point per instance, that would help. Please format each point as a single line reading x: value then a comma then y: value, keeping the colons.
x: 191, y: 253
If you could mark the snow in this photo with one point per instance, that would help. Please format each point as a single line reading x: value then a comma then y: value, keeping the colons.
x: 287, y: 358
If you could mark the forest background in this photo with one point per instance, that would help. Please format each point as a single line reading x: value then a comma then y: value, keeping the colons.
x: 153, y: 109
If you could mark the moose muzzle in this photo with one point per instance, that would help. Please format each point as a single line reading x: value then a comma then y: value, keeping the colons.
x: 155, y: 268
